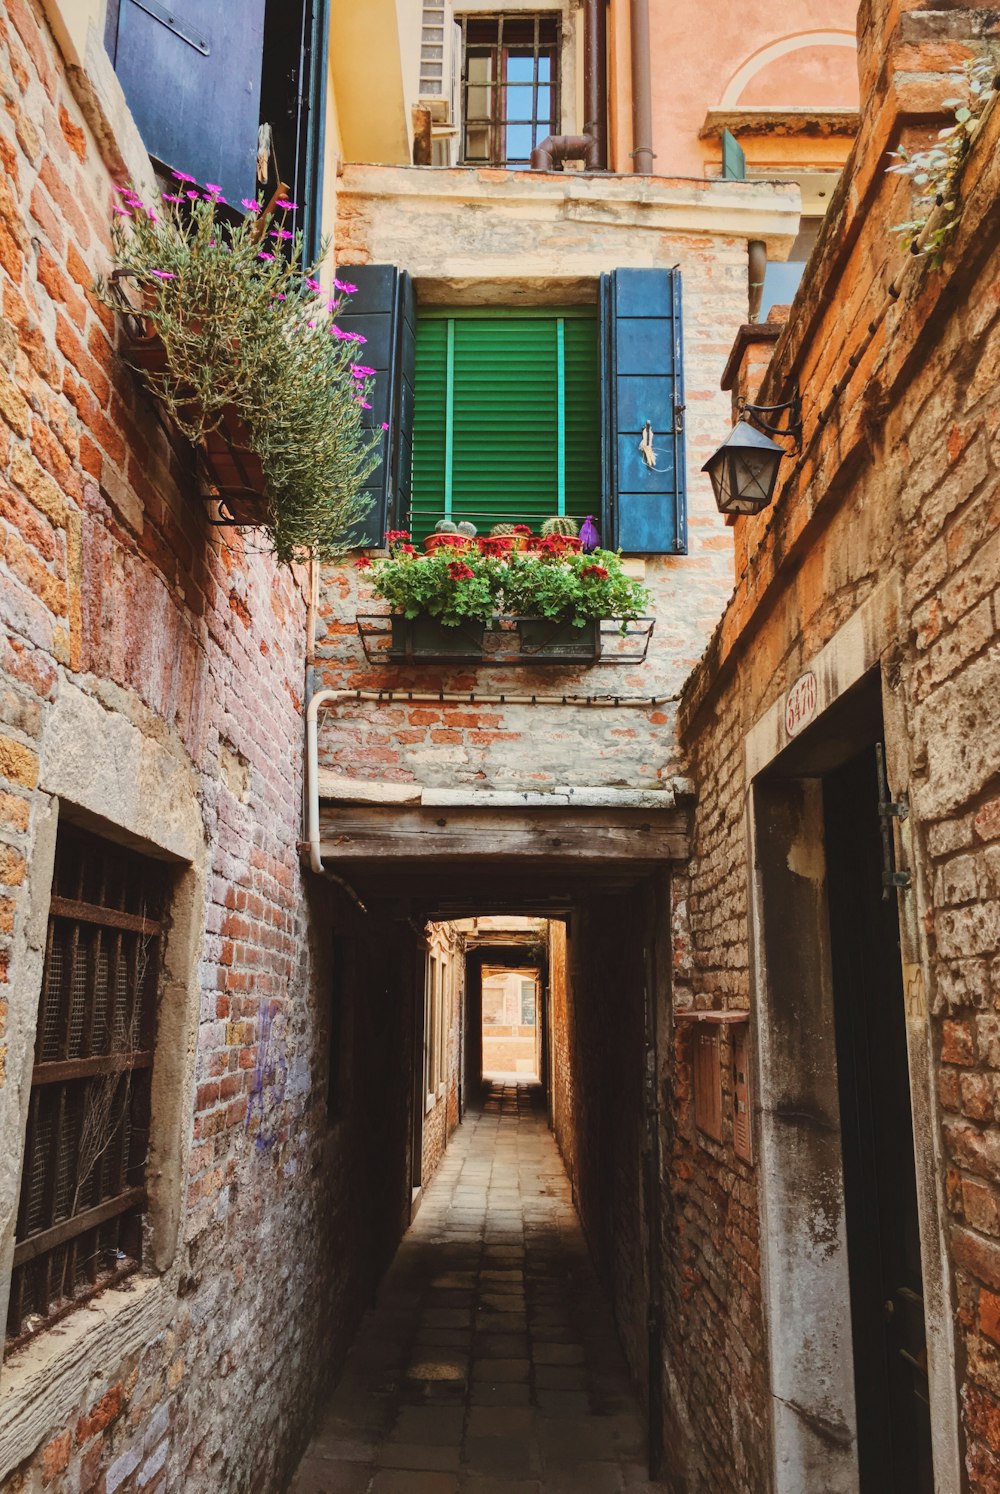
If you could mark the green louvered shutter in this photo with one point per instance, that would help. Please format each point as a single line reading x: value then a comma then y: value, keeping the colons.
x: 506, y: 419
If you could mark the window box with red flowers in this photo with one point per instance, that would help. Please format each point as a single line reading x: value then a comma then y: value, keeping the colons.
x: 544, y: 605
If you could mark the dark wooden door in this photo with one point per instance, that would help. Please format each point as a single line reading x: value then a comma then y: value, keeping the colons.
x: 883, y: 1240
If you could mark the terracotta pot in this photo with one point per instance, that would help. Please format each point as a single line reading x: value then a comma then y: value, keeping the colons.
x: 446, y: 542
x: 562, y: 542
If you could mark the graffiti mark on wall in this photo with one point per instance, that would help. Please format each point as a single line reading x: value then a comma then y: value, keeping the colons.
x: 270, y: 1075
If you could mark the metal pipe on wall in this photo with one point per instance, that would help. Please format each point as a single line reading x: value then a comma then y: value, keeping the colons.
x: 595, y: 79
x: 642, y: 93
x: 592, y: 146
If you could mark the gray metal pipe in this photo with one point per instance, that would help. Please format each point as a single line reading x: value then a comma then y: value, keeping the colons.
x: 642, y: 93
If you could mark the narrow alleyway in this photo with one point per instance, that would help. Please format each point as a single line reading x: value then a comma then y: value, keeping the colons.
x: 490, y: 1362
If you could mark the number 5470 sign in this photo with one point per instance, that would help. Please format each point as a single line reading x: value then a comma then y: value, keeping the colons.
x: 800, y: 703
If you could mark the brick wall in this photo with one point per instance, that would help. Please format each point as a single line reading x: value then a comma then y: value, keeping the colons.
x: 151, y: 674
x: 893, y: 507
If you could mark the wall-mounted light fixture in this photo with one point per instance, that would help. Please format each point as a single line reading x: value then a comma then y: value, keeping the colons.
x: 744, y: 470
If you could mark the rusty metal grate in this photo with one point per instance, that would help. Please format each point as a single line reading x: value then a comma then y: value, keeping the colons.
x: 82, y: 1196
x: 510, y: 87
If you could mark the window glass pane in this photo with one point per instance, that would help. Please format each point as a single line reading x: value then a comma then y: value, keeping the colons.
x: 544, y: 70
x: 519, y: 102
x: 479, y: 67
x: 520, y: 69
x: 519, y: 142
x: 477, y: 143
x: 479, y: 103
x: 544, y: 115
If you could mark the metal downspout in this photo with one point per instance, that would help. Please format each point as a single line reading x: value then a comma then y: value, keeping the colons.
x: 642, y: 98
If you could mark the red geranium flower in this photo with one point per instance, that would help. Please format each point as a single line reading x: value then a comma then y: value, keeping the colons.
x: 597, y: 571
x: 362, y: 563
x: 522, y: 528
x: 459, y: 571
x: 407, y: 549
x: 396, y: 534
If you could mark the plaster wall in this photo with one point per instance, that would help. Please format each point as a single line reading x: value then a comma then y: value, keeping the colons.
x: 748, y: 56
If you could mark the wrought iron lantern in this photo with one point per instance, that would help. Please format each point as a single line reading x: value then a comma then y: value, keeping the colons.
x: 744, y: 470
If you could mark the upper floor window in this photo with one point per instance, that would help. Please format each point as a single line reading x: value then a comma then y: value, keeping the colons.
x: 227, y: 93
x: 510, y: 87
x: 83, y: 1192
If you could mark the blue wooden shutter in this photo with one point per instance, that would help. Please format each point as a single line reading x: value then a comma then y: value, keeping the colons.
x: 642, y: 381
x: 191, y: 77
x: 383, y: 311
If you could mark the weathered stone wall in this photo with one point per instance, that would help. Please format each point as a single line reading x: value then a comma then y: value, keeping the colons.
x: 151, y: 677
x: 893, y: 509
x: 537, y: 240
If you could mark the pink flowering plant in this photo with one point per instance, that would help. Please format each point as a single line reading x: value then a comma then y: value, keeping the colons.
x: 455, y: 584
x: 246, y: 327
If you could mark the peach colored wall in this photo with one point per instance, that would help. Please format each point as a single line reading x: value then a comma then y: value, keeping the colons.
x: 697, y: 54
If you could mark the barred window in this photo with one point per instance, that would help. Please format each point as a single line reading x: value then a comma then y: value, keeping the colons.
x: 83, y: 1195
x: 510, y: 87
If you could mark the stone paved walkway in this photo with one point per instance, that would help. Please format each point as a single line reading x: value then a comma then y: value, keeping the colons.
x: 490, y: 1362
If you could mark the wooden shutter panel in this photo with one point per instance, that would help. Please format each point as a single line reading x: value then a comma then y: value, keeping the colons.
x: 742, y: 1125
x: 383, y: 311
x: 643, y: 382
x: 191, y: 77
x: 508, y: 427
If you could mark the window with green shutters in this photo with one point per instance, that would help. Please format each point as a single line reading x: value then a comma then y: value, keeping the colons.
x: 507, y: 417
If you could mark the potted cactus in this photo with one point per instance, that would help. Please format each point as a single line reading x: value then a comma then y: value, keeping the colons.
x: 448, y: 535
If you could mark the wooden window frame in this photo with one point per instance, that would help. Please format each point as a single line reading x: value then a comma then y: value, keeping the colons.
x: 99, y: 988
x: 498, y: 50
x: 444, y: 1019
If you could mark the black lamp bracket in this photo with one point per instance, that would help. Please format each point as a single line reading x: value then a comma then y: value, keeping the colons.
x: 792, y: 427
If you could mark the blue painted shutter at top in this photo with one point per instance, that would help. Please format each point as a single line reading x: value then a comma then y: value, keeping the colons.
x: 384, y: 312
x: 643, y: 382
x: 191, y: 77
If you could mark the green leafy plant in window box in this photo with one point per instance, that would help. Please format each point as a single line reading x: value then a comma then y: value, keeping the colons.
x: 442, y: 600
x: 240, y: 345
x: 558, y: 597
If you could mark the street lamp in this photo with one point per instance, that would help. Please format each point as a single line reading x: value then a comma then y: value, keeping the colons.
x: 744, y: 470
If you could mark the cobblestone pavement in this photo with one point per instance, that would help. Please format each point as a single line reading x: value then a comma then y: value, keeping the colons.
x: 490, y: 1362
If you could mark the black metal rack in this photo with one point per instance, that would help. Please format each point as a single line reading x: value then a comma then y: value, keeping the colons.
x: 507, y: 639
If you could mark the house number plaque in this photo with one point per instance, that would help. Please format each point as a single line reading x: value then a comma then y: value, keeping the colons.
x: 800, y: 703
